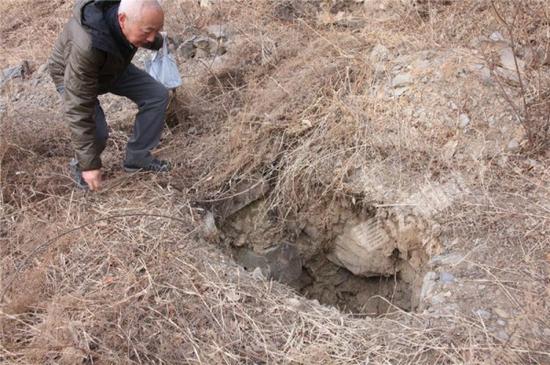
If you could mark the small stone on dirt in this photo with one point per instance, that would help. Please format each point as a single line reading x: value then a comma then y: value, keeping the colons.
x: 496, y: 36
x: 401, y: 80
x: 217, y: 31
x: 379, y: 53
x: 451, y: 259
x: 463, y: 120
x: 508, y: 60
x: 201, y: 53
x: 11, y: 73
x: 483, y: 314
x: 187, y: 49
x: 503, y: 335
x: 446, y: 278
x: 513, y: 146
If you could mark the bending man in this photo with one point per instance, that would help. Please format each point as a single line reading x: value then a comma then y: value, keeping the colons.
x: 92, y: 56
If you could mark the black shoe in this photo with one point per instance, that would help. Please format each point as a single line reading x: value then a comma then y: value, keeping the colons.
x: 76, y: 175
x: 155, y: 165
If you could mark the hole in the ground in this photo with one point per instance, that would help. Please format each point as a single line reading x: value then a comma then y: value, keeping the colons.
x: 369, y: 265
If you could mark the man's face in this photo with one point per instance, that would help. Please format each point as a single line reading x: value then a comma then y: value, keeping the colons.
x: 142, y: 31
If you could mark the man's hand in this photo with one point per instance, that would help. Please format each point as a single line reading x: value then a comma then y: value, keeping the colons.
x: 92, y: 178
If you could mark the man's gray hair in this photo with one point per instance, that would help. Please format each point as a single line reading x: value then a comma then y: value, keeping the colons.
x: 134, y: 8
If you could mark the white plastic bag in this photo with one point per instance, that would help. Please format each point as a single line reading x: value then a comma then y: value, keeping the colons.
x: 163, y: 67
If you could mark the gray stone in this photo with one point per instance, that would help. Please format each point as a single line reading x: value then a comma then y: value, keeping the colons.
x: 218, y: 31
x: 428, y: 285
x: 401, y: 80
x: 285, y: 263
x: 463, y: 120
x: 508, y: 60
x: 187, y: 49
x: 210, y: 231
x: 203, y: 43
x: 206, y: 3
x: 379, y: 53
x: 483, y: 314
x: 502, y: 335
x: 451, y: 259
x: 11, y: 73
x: 220, y: 50
x: 364, y: 249
x: 446, y: 278
x: 280, y: 262
x: 513, y: 145
x: 258, y: 274
x: 201, y: 53
x: 507, y: 74
x: 484, y: 72
x: 496, y: 36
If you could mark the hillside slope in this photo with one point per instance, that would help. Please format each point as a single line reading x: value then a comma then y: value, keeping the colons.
x: 385, y: 162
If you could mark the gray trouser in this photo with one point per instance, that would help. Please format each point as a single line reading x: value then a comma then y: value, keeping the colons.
x: 151, y: 98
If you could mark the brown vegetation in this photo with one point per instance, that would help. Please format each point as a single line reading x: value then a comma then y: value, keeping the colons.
x: 131, y: 276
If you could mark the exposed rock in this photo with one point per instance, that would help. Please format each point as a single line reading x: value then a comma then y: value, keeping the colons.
x: 258, y: 274
x: 201, y: 53
x: 401, y: 80
x: 446, y: 278
x: 502, y: 335
x: 507, y: 74
x: 206, y: 3
x: 508, y: 60
x: 484, y: 72
x: 11, y: 73
x: 379, y: 53
x: 483, y: 314
x: 496, y: 37
x: 220, y: 50
x: 428, y: 285
x: 203, y: 43
x: 463, y: 120
x: 210, y: 231
x: 364, y: 249
x: 247, y: 191
x: 187, y: 49
x: 281, y: 262
x: 451, y: 259
x: 218, y: 31
x: 513, y: 145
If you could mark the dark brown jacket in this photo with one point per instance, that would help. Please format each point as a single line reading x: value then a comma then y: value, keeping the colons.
x: 86, y: 60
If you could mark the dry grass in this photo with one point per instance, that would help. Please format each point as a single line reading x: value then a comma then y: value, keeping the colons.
x: 134, y: 285
x: 28, y: 28
x: 125, y: 277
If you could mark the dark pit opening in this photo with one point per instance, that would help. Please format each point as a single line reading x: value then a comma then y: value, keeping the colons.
x: 367, y: 265
x: 320, y: 279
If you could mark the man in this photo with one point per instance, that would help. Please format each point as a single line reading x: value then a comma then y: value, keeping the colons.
x: 92, y: 56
